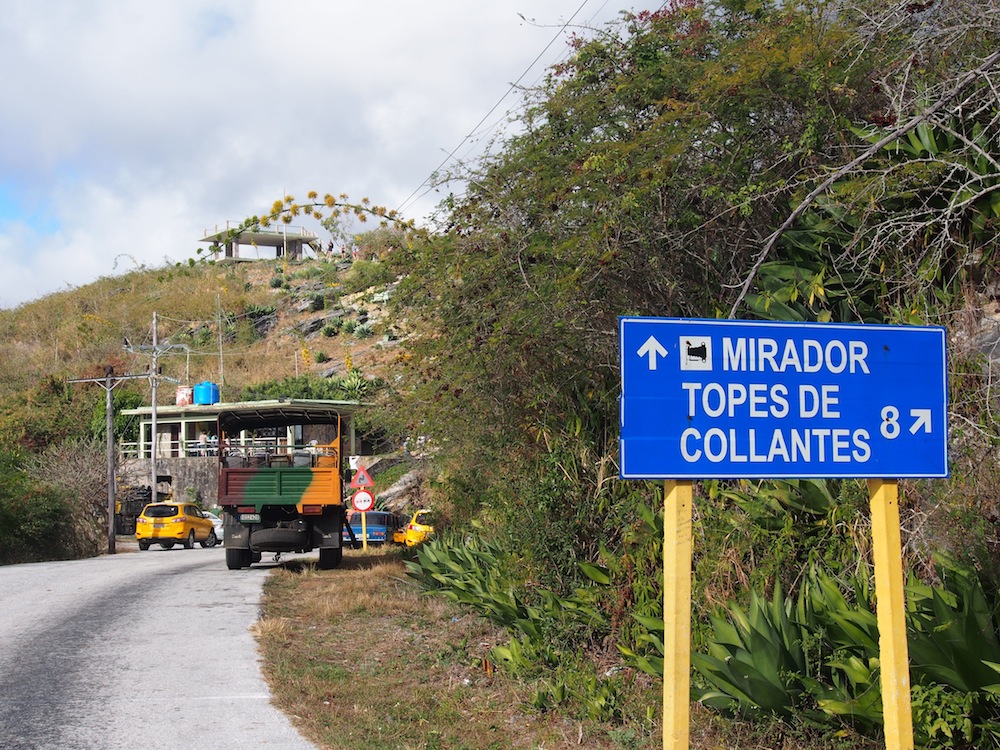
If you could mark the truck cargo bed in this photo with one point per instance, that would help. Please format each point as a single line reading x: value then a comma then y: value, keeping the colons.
x: 279, y: 486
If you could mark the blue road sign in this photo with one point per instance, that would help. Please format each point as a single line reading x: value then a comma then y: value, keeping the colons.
x: 705, y: 399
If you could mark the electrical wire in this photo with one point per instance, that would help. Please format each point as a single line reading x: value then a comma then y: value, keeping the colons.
x: 426, y: 186
x: 414, y: 195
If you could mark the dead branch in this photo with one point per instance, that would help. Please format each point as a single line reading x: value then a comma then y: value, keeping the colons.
x: 839, y: 173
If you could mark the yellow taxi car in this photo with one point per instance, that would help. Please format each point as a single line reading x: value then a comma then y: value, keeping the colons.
x: 399, y: 535
x: 419, y: 528
x: 168, y: 523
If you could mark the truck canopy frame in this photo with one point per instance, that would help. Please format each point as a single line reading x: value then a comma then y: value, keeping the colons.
x: 252, y: 415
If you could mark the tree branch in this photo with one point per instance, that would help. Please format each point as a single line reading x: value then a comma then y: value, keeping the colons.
x: 902, y: 130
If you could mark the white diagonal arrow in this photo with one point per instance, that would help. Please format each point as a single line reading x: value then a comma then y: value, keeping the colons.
x: 651, y: 348
x: 923, y: 419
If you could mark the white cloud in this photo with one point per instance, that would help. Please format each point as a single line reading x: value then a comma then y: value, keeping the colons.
x: 131, y: 127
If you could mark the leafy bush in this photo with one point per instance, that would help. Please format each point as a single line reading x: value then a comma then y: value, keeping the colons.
x: 756, y: 663
x: 49, y: 411
x: 470, y: 571
x: 365, y: 274
x: 819, y: 659
x: 126, y: 428
x: 301, y: 386
x: 31, y: 525
x: 39, y: 521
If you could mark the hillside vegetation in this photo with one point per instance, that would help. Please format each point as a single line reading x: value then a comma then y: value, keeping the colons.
x: 814, y: 161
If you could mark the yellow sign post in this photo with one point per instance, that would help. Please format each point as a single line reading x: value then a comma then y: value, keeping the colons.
x: 890, y: 610
x: 676, y: 614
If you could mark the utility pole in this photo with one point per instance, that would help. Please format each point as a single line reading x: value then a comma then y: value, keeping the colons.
x: 154, y: 376
x: 153, y: 379
x: 108, y: 382
x: 218, y: 308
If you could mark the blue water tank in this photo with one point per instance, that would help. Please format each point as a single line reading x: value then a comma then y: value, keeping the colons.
x: 206, y: 393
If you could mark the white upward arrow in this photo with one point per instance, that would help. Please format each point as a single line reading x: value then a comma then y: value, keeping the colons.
x: 923, y: 419
x: 652, y: 348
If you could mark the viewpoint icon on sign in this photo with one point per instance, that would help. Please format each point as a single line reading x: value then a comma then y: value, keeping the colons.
x: 696, y: 353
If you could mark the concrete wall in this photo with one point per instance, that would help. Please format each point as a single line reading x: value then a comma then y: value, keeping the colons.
x: 194, y: 478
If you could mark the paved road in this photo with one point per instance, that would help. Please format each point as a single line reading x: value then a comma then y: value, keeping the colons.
x: 139, y: 649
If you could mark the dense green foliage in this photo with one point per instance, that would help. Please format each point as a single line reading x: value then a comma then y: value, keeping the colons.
x: 47, y: 412
x: 813, y: 161
x: 40, y: 520
x: 126, y: 429
x: 27, y: 515
x: 818, y: 656
x: 352, y: 386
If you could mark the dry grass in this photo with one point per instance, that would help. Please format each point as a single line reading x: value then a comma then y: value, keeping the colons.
x: 80, y: 330
x: 361, y: 659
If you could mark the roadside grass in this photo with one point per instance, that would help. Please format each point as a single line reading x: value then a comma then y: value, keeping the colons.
x: 360, y: 658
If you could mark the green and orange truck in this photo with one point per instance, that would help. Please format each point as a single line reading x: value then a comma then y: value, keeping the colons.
x: 282, y: 473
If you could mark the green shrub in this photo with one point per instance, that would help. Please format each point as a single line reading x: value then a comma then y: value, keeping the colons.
x: 470, y: 571
x: 756, y: 662
x: 35, y: 521
x: 365, y: 274
x: 301, y: 386
x: 942, y: 717
x: 819, y: 660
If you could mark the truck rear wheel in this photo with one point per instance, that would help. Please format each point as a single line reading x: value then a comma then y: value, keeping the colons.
x: 238, y: 558
x: 330, y: 557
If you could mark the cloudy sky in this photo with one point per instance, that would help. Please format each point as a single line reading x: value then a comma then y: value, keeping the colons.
x: 129, y: 129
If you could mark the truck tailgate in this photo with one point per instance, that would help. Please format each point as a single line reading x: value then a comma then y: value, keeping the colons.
x: 279, y: 486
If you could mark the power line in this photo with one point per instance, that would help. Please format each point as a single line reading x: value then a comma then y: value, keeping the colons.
x: 507, y: 93
x: 425, y: 187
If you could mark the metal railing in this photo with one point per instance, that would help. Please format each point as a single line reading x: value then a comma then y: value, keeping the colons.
x: 264, y: 452
x: 282, y: 231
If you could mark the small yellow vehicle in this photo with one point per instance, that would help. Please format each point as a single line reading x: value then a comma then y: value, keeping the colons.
x: 419, y: 528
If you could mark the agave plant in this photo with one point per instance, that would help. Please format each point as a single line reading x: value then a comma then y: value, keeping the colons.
x: 820, y: 659
x: 755, y: 663
x: 469, y: 572
x: 954, y: 642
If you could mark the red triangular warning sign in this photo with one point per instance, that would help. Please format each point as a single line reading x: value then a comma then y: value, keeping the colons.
x: 361, y: 479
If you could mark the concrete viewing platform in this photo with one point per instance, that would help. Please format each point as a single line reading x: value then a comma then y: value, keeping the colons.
x: 288, y: 241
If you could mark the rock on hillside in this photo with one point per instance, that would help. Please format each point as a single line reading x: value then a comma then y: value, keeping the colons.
x: 325, y: 331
